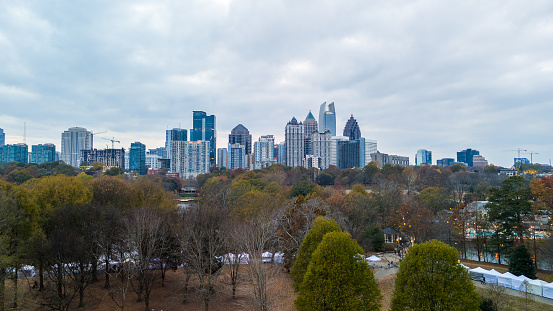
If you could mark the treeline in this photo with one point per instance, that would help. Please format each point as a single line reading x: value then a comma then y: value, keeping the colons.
x: 129, y: 231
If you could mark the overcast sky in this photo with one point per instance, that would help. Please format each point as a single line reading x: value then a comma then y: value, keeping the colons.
x: 438, y: 75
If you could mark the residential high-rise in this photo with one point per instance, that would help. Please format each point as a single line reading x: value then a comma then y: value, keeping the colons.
x: 264, y: 152
x: 281, y: 153
x: 73, y: 141
x: 153, y: 161
x: 222, y: 157
x: 190, y: 158
x: 295, y: 143
x: 236, y: 156
x: 43, y: 153
x: 351, y: 129
x: 14, y: 153
x: 160, y: 151
x: 176, y: 134
x: 321, y: 147
x: 423, y: 156
x: 465, y: 156
x: 327, y: 119
x: 137, y: 158
x: 204, y: 129
x: 2, y: 138
x: 241, y: 135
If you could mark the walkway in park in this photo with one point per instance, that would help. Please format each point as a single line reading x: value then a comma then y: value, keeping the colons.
x: 390, y: 264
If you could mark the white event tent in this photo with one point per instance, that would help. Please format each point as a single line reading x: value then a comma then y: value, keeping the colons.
x: 506, y: 279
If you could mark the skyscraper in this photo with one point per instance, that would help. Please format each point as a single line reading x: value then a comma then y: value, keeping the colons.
x: 14, y: 153
x: 137, y: 158
x: 241, y: 135
x: 73, y: 141
x: 351, y: 129
x: 176, y: 134
x: 204, y: 129
x: 423, y: 157
x: 43, y: 153
x: 295, y: 143
x: 236, y: 156
x: 310, y: 125
x: 327, y: 119
x: 2, y: 138
x: 321, y: 147
x: 190, y: 158
x: 465, y: 156
x: 222, y: 157
x: 264, y: 152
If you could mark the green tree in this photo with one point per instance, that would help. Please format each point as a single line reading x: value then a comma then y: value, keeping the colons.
x: 509, y: 205
x: 338, y: 278
x: 302, y: 187
x: 430, y: 278
x: 520, y: 262
x: 312, y: 239
x: 114, y: 171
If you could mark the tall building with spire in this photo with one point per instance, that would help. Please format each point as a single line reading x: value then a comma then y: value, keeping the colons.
x: 310, y: 126
x: 241, y: 135
x: 73, y: 141
x: 327, y: 119
x: 294, y: 134
x: 351, y: 129
x: 203, y: 129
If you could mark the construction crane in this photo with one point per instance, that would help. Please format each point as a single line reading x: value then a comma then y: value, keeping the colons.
x: 531, y: 153
x: 518, y: 150
x: 92, y: 136
x: 113, y: 141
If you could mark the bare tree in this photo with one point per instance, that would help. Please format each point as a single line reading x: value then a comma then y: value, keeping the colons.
x: 203, y: 241
x: 255, y: 236
x: 144, y: 233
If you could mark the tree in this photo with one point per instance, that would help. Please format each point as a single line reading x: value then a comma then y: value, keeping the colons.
x: 509, y: 205
x: 114, y: 171
x: 313, y: 238
x: 338, y: 278
x: 520, y: 262
x: 430, y: 278
x: 302, y: 187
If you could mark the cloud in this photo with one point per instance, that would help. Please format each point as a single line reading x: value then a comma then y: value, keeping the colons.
x: 423, y: 74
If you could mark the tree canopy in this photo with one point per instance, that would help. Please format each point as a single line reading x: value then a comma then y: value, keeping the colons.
x: 520, y: 262
x: 338, y: 278
x: 430, y: 278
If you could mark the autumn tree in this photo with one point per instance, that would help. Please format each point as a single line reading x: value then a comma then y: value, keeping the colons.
x: 430, y: 278
x: 311, y: 241
x: 338, y: 278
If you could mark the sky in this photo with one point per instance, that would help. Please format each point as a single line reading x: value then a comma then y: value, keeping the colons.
x: 438, y: 75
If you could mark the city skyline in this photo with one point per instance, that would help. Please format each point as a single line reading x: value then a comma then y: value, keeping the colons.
x: 426, y: 75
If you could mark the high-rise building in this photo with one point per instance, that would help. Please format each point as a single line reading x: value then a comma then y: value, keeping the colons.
x: 43, y: 153
x: 108, y: 157
x: 310, y: 126
x: 264, y: 152
x: 236, y: 156
x: 14, y: 153
x: 334, y: 149
x: 176, y: 134
x: 241, y: 135
x: 204, y: 129
x: 73, y: 141
x: 445, y: 162
x: 2, y: 138
x: 137, y: 158
x: 190, y: 158
x: 222, y: 160
x: 295, y: 143
x: 382, y: 159
x: 321, y: 147
x: 281, y: 153
x: 153, y: 161
x: 465, y: 156
x: 479, y: 161
x: 327, y: 119
x: 423, y: 157
x: 349, y: 153
x: 161, y: 152
x: 351, y: 129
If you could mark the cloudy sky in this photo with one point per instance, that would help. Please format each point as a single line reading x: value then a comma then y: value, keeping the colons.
x: 439, y: 75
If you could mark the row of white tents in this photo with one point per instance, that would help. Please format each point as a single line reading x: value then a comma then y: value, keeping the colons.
x: 509, y: 280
